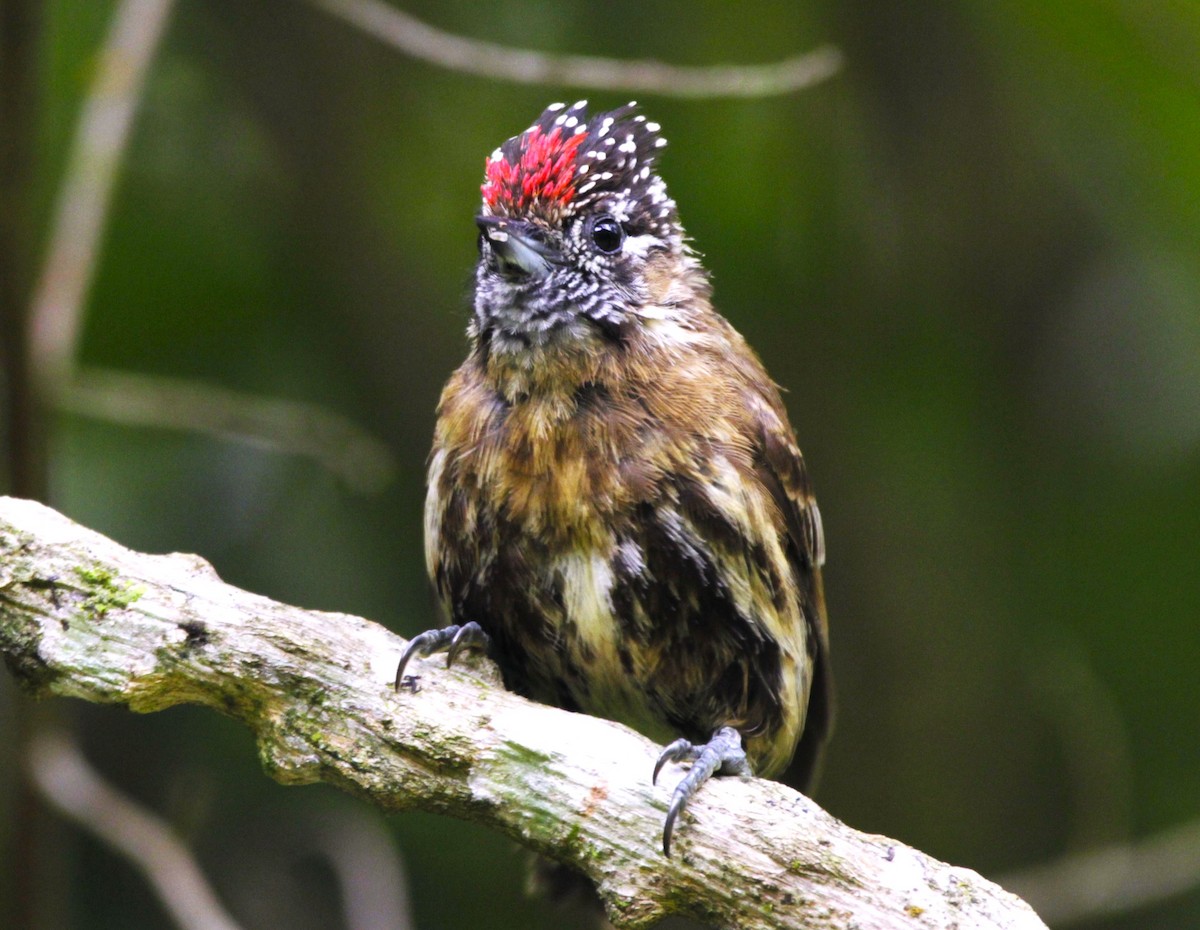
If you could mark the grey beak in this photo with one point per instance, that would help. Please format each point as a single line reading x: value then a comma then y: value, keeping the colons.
x: 517, y: 246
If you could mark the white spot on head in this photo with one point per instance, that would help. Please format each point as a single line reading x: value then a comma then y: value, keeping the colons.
x: 653, y: 127
x: 555, y: 107
x: 659, y: 142
x: 641, y: 245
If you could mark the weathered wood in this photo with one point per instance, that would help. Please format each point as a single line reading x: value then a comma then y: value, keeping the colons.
x: 81, y: 616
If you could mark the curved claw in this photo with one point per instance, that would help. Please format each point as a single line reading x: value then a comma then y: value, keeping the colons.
x: 465, y: 636
x: 675, y: 752
x: 722, y: 754
x: 453, y: 638
x: 423, y: 643
x: 677, y: 804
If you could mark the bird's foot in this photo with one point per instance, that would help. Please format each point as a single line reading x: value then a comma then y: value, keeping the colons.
x: 721, y: 755
x: 451, y: 639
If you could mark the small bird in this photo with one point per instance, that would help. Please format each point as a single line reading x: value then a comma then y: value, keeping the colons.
x: 617, y: 510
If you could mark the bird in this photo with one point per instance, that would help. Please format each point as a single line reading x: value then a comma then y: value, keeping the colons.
x: 617, y: 511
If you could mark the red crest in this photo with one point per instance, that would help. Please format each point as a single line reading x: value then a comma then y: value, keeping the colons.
x: 544, y: 170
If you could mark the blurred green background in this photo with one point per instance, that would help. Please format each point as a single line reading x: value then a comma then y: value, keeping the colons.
x: 972, y: 258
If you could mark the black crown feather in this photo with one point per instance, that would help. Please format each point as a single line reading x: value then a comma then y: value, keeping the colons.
x: 567, y: 163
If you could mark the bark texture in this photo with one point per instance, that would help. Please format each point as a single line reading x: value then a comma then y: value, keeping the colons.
x: 81, y: 616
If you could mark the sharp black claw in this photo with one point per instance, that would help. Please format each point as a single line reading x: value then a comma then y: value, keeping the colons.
x: 414, y: 646
x: 723, y: 754
x: 469, y: 634
x: 680, y: 749
x: 669, y: 826
x: 452, y: 638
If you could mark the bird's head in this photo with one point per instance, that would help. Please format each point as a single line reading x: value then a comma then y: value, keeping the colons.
x: 574, y: 222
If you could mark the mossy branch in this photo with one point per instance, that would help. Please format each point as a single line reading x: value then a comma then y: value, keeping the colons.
x: 81, y: 616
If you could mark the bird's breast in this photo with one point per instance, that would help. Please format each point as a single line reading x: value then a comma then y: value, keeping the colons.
x: 564, y: 468
x: 618, y: 548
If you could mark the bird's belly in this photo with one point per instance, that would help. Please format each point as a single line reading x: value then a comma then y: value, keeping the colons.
x: 611, y: 585
x: 602, y: 649
x: 606, y: 667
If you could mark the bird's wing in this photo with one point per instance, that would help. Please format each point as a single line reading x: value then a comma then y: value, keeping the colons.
x: 781, y: 469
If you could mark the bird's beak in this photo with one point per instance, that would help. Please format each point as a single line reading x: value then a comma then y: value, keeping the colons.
x: 517, y: 247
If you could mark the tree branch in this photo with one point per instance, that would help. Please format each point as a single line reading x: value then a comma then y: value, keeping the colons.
x: 56, y: 314
x: 64, y: 777
x: 80, y: 616
x: 1101, y: 883
x: 420, y: 40
x: 290, y: 427
x: 372, y: 881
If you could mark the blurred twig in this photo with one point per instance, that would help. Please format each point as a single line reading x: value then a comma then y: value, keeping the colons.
x: 56, y: 317
x: 291, y: 427
x: 457, y: 53
x: 21, y: 429
x: 27, y: 849
x: 1113, y: 880
x: 370, y: 871
x: 57, y: 311
x: 1109, y: 878
x: 70, y: 784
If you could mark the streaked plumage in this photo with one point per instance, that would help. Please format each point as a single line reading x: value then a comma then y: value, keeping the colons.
x: 615, y: 495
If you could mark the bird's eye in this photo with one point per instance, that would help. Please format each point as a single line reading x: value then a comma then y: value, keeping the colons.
x: 607, y: 234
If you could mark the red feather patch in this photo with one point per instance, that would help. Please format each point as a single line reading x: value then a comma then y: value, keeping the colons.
x: 545, y: 171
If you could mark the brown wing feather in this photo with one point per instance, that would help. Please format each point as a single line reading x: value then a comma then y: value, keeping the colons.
x: 781, y: 470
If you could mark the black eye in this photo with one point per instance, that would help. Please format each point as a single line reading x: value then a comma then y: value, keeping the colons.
x: 607, y: 234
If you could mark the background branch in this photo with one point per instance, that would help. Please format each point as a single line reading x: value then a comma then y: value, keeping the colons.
x: 1114, y: 879
x: 290, y: 427
x: 81, y: 616
x: 63, y: 776
x: 370, y: 873
x: 21, y: 432
x: 56, y: 317
x: 418, y: 39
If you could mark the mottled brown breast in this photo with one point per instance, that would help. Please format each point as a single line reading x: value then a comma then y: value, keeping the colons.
x: 633, y: 528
